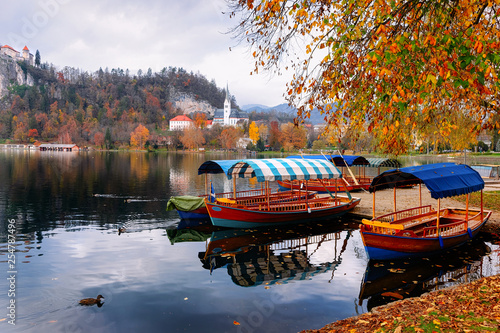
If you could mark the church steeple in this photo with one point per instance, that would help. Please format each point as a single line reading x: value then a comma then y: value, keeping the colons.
x: 227, y: 106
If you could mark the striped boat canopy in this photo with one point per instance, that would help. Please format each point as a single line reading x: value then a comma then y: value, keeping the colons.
x: 441, y: 179
x: 216, y: 166
x: 384, y: 162
x: 284, y: 169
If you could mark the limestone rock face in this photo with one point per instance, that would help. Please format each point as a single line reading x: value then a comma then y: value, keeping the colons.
x: 190, y: 104
x: 12, y: 74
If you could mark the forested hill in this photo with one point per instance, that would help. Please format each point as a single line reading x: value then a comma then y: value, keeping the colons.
x: 75, y: 105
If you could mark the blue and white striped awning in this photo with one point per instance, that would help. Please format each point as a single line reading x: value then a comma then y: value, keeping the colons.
x: 284, y: 169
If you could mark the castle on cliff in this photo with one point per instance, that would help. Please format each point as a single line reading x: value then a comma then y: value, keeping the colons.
x: 16, y: 55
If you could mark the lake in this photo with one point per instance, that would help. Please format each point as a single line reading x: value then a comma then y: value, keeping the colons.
x: 62, y: 211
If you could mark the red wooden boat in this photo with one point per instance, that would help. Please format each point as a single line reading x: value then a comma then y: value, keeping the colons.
x: 193, y: 207
x: 234, y: 215
x: 423, y: 230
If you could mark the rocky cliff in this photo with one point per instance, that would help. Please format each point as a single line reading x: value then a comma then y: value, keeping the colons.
x: 12, y: 74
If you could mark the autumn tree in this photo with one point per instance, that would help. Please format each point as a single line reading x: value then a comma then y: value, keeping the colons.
x: 139, y: 137
x: 293, y: 137
x: 192, y: 138
x: 263, y: 132
x: 388, y: 66
x: 229, y: 137
x: 32, y: 134
x: 274, y: 135
x: 253, y: 132
x: 99, y: 139
x: 200, y: 120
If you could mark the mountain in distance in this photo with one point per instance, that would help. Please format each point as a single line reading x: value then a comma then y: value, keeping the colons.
x: 316, y: 118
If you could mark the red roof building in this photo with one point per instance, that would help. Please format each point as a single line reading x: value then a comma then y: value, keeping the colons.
x: 180, y: 123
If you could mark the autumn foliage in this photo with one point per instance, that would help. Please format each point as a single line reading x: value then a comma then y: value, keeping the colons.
x: 392, y: 68
x: 139, y: 137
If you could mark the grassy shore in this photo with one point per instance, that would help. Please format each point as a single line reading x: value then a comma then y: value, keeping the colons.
x: 491, y: 200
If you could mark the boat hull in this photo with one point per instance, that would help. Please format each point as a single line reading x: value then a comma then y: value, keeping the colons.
x: 389, y: 247
x: 232, y: 217
x: 197, y: 214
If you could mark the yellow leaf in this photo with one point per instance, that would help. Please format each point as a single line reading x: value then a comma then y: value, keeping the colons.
x: 236, y: 323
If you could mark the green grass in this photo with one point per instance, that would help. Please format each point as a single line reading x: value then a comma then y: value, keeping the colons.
x: 491, y: 199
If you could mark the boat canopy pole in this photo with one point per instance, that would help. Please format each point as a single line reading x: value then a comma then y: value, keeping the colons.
x: 482, y: 205
x: 267, y: 195
x: 420, y: 194
x: 373, y: 205
x: 467, y: 209
x: 395, y: 199
x: 438, y: 213
x: 234, y: 187
x: 206, y: 183
x: 350, y: 172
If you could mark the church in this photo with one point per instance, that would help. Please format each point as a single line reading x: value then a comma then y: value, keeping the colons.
x: 228, y: 116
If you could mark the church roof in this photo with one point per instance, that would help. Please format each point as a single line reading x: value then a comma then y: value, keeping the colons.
x: 25, y: 48
x: 219, y: 114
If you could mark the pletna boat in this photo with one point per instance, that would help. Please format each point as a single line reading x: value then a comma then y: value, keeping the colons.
x: 193, y: 207
x: 422, y: 230
x: 224, y: 213
x: 349, y: 181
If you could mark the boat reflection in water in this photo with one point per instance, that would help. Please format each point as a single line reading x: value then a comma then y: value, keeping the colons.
x: 195, y: 230
x: 387, y: 281
x: 275, y: 255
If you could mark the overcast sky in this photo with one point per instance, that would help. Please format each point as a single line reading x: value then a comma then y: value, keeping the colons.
x: 129, y: 34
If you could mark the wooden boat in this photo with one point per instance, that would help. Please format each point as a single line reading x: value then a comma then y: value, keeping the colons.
x: 349, y: 182
x: 193, y: 207
x: 236, y: 215
x: 422, y: 230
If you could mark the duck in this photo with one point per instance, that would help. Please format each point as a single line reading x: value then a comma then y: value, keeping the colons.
x: 92, y: 301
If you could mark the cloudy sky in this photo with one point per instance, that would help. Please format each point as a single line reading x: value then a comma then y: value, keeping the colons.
x: 129, y: 34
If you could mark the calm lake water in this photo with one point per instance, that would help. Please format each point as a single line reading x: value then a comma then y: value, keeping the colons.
x: 159, y: 276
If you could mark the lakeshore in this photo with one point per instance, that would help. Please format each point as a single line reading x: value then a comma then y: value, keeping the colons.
x: 454, y: 308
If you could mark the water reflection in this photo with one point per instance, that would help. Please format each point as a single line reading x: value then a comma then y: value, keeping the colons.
x: 385, y: 282
x: 276, y: 255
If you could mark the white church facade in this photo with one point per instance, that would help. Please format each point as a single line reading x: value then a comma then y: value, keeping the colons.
x: 229, y: 116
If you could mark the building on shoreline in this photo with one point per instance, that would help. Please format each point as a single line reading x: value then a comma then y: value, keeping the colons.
x: 180, y: 123
x: 58, y: 147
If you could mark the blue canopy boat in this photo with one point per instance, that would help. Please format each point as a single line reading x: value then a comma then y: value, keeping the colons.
x: 239, y: 215
x: 349, y: 182
x: 422, y: 230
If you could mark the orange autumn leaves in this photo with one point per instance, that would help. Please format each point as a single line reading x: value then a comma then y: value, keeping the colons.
x: 415, y: 66
x: 139, y: 137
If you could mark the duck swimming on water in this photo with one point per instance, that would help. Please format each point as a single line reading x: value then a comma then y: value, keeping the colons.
x: 92, y: 301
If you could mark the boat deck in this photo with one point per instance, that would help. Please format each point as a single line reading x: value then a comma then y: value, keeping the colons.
x: 423, y: 222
